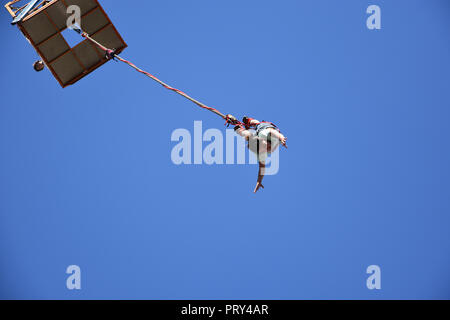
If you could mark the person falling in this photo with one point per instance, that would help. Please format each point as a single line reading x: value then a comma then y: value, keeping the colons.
x: 264, y: 139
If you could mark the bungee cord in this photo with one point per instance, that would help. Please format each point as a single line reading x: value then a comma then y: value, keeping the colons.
x: 110, y: 54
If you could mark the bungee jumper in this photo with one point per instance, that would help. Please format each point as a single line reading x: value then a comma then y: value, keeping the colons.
x: 265, y: 139
x: 42, y: 21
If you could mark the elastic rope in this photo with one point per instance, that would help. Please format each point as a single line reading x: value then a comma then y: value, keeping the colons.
x: 111, y: 53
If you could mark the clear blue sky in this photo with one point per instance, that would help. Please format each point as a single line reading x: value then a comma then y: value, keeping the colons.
x: 86, y: 176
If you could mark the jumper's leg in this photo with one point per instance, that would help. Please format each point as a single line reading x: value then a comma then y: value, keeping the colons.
x: 243, y: 132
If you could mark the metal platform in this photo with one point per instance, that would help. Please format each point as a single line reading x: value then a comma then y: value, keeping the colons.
x: 43, y: 26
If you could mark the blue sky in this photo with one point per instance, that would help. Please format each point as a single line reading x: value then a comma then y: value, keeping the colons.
x: 86, y: 176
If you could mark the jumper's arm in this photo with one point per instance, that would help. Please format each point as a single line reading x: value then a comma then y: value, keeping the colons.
x: 261, y: 172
